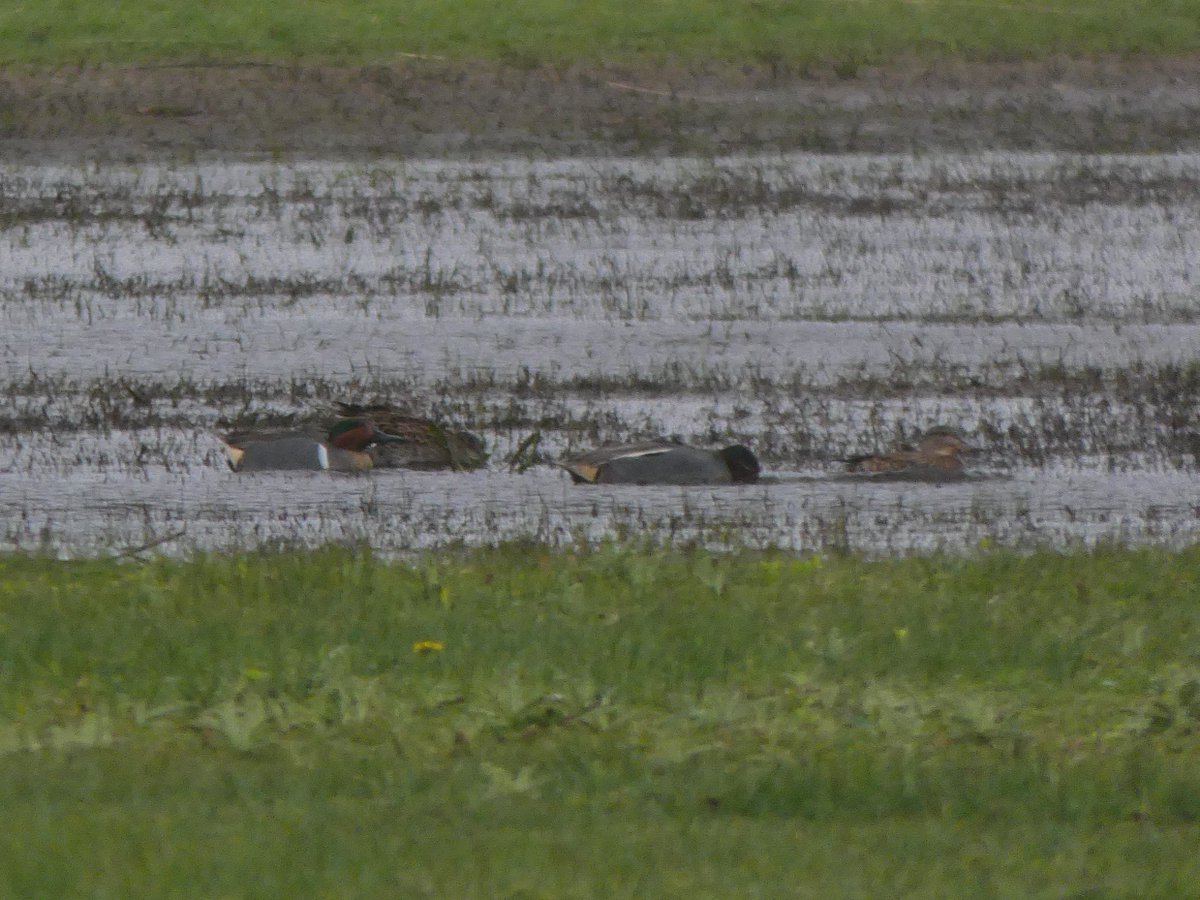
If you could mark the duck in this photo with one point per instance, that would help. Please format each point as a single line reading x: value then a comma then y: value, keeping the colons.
x: 663, y: 462
x: 425, y: 444
x: 937, y: 457
x: 343, y: 450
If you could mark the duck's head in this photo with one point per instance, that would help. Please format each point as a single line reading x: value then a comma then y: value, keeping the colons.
x: 944, y: 442
x: 358, y: 435
x: 743, y: 464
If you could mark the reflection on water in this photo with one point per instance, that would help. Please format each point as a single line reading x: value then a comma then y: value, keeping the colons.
x: 81, y: 512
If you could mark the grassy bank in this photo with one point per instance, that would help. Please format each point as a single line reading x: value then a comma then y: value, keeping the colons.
x: 617, y: 723
x: 795, y: 33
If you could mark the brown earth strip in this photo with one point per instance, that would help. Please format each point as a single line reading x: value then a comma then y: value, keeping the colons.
x: 423, y: 107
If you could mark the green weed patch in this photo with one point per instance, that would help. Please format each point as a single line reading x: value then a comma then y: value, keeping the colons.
x: 841, y: 35
x: 616, y: 722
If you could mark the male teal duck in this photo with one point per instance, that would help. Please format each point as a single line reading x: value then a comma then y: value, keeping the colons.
x: 663, y: 462
x: 426, y: 444
x: 937, y: 457
x: 343, y: 450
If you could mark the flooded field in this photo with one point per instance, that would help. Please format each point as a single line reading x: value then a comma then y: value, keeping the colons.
x: 813, y: 307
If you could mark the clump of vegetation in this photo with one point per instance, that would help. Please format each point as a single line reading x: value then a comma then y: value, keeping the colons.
x: 300, y: 722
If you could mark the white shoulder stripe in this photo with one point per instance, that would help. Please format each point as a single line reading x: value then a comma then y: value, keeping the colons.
x: 322, y: 456
x: 648, y: 451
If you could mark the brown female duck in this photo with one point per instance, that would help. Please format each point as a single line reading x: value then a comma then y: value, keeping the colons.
x: 938, y: 457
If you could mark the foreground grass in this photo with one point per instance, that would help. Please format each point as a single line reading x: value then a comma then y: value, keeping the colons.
x: 798, y: 33
x: 615, y: 723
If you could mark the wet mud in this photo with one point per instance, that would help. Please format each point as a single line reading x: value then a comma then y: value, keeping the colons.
x: 423, y: 107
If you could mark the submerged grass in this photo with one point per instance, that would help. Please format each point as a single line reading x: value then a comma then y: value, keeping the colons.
x: 843, y: 34
x: 617, y: 722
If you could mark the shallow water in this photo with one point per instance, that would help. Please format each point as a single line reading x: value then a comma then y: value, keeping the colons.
x: 811, y: 306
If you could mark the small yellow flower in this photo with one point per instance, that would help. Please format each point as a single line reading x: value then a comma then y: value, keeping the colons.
x: 902, y: 633
x: 428, y: 647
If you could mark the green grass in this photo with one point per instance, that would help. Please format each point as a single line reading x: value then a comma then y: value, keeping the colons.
x: 615, y: 723
x: 799, y: 33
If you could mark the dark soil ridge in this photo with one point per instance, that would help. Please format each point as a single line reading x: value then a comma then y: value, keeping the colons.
x: 422, y: 108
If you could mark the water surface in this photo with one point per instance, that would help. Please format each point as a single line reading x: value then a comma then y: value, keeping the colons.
x: 811, y: 306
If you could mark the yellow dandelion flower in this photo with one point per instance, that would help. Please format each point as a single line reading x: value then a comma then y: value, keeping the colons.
x: 428, y: 647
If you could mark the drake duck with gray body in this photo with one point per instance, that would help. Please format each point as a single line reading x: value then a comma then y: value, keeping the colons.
x: 343, y: 450
x: 663, y: 462
x: 938, y: 457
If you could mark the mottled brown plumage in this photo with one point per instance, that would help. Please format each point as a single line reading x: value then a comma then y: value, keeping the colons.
x: 937, y: 457
x: 425, y: 444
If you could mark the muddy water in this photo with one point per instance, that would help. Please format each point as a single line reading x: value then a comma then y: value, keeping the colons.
x: 810, y: 306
